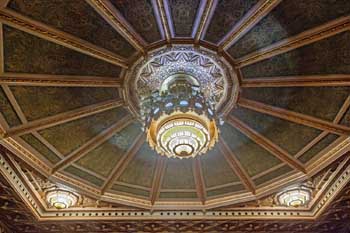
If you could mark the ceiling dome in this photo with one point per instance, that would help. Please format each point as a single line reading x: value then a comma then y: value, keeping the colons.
x: 74, y: 74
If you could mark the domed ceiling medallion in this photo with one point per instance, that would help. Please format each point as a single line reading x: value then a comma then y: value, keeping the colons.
x: 181, y: 94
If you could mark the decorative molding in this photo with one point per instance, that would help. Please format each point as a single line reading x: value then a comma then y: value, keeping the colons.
x: 331, y: 187
x: 307, y: 37
x: 331, y: 80
x: 21, y: 22
x: 203, y: 18
x: 259, y: 11
x: 25, y: 79
x: 165, y: 19
x: 237, y: 167
x: 92, y: 143
x: 211, y: 70
x: 123, y: 162
x: 267, y: 144
x: 63, y: 117
x: 294, y: 117
x: 158, y: 178
x: 116, y: 20
x: 199, y: 180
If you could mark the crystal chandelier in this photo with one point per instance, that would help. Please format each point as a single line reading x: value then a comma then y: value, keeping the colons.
x: 295, y: 197
x: 179, y: 119
x: 61, y: 199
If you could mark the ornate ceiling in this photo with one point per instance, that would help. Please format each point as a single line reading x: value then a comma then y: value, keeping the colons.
x: 68, y: 112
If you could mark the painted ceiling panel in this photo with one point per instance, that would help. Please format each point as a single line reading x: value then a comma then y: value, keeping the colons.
x: 70, y: 136
x: 287, y: 19
x: 183, y: 15
x: 84, y: 175
x: 313, y: 99
x: 128, y: 190
x: 289, y: 136
x: 226, y: 15
x: 105, y: 157
x: 225, y: 190
x: 141, y: 168
x: 272, y: 175
x: 176, y: 168
x: 41, y: 148
x: 140, y: 14
x: 25, y: 53
x: 247, y: 152
x: 50, y: 101
x: 215, y: 169
x: 77, y: 18
x: 328, y: 56
x: 326, y: 141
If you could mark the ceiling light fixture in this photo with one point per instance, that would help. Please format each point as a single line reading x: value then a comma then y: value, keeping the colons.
x: 61, y: 199
x: 296, y: 197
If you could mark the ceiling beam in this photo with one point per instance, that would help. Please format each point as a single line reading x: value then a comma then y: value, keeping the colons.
x: 117, y: 21
x: 63, y: 117
x: 266, y: 144
x: 237, y: 167
x: 199, y: 179
x: 299, y: 81
x: 158, y: 178
x: 205, y: 12
x: 307, y: 37
x: 2, y: 58
x: 46, y: 32
x: 295, y: 117
x: 249, y: 20
x: 322, y: 135
x: 14, y: 103
x: 3, y: 3
x: 92, y: 143
x: 123, y: 163
x: 24, y: 79
x: 162, y: 11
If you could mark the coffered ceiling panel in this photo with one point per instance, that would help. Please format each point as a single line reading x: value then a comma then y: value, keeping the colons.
x: 288, y: 19
x: 7, y: 110
x: 227, y: 14
x: 77, y: 18
x: 328, y: 56
x: 29, y: 54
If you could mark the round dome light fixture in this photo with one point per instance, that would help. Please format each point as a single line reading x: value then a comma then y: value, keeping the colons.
x: 296, y: 197
x: 61, y: 199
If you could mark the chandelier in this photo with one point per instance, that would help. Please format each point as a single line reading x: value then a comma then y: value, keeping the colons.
x: 61, y: 199
x: 181, y: 93
x: 295, y: 197
x: 179, y: 120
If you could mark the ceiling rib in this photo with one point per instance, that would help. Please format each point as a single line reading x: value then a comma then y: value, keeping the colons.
x: 63, y: 117
x: 2, y: 60
x: 237, y: 167
x: 295, y: 117
x: 92, y: 143
x: 165, y: 19
x: 259, y: 11
x: 158, y: 178
x: 307, y: 37
x: 117, y: 21
x: 267, y: 144
x: 199, y: 180
x: 337, y: 119
x: 123, y: 163
x: 204, y: 15
x: 299, y: 81
x: 46, y: 32
x: 14, y: 103
x: 3, y: 3
x: 26, y: 79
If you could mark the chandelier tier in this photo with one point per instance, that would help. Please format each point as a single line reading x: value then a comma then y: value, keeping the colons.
x: 180, y: 94
x: 179, y: 120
